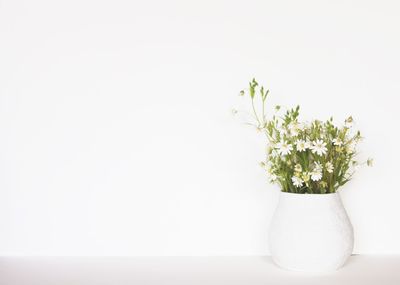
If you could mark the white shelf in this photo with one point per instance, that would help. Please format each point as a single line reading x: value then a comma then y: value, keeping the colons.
x: 252, y: 270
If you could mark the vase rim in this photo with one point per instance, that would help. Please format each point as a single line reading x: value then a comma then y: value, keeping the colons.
x: 308, y: 194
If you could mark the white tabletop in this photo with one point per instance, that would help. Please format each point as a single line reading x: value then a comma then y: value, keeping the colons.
x: 382, y: 270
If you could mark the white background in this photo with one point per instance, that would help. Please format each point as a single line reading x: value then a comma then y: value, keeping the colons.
x: 116, y: 131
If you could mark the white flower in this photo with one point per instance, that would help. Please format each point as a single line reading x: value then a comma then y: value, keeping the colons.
x: 298, y: 168
x: 319, y: 147
x: 316, y: 175
x: 348, y: 123
x: 329, y: 167
x: 297, y: 181
x: 272, y: 177
x: 294, y: 128
x: 284, y: 148
x: 317, y: 166
x: 337, y: 142
x: 301, y: 145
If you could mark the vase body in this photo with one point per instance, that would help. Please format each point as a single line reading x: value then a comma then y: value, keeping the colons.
x: 310, y: 232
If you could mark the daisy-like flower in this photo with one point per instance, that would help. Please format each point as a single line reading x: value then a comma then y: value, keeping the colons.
x: 316, y: 175
x: 337, y: 142
x: 348, y: 123
x: 297, y: 168
x: 329, y: 167
x: 319, y: 147
x: 301, y: 145
x: 297, y: 182
x: 284, y: 148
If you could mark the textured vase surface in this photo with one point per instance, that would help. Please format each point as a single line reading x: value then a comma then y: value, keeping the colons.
x: 310, y: 232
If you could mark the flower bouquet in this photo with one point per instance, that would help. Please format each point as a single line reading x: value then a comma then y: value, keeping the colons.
x: 314, y: 157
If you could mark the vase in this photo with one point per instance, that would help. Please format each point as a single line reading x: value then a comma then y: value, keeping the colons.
x: 310, y: 232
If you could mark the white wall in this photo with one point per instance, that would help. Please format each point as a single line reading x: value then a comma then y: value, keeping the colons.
x: 116, y: 131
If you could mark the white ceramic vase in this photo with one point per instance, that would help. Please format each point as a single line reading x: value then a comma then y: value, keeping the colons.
x: 310, y: 232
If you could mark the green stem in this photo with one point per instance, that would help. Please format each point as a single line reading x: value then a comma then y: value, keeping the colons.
x: 255, y: 113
